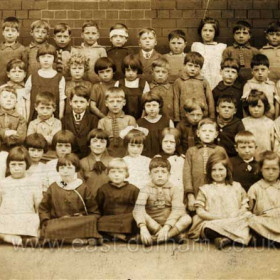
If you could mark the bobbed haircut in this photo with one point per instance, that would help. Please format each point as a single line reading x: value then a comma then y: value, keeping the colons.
x: 103, y: 63
x: 244, y: 137
x: 240, y: 25
x: 69, y: 159
x: 98, y: 133
x: 118, y: 163
x: 159, y: 162
x: 253, y: 100
x: 150, y: 97
x: 213, y: 22
x: 14, y: 63
x: 268, y: 155
x: 134, y: 136
x: 230, y: 63
x: 195, y: 58
x: 36, y: 141
x: 172, y: 131
x: 259, y: 59
x: 178, y: 33
x: 18, y: 153
x: 131, y: 61
x: 64, y: 136
x: 47, y: 49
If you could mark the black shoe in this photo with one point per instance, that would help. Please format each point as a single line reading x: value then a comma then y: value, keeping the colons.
x: 221, y: 242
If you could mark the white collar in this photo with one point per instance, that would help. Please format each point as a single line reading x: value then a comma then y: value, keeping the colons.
x: 82, y: 115
x: 70, y: 186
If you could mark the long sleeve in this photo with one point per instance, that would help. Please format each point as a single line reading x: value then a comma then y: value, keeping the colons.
x: 210, y: 100
x: 21, y: 130
x: 90, y: 202
x: 45, y: 206
x: 28, y: 86
x: 187, y: 173
x: 176, y: 88
x: 139, y: 211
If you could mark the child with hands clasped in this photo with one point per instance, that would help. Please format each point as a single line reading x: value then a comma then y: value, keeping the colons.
x: 221, y: 206
x: 159, y: 211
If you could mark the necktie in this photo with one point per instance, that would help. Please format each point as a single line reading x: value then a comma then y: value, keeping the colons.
x: 78, y: 117
x: 147, y: 55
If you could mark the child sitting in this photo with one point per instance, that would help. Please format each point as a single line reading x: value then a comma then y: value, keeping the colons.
x: 105, y: 69
x: 194, y: 112
x: 147, y: 42
x: 192, y: 84
x: 12, y: 125
x: 246, y: 169
x: 80, y: 121
x: 115, y: 121
x: 260, y: 82
x: 230, y: 85
x: 241, y: 50
x: 194, y: 172
x: 116, y: 201
x: 228, y: 124
x: 221, y: 206
x: 45, y: 123
x: 159, y: 211
x: 176, y: 56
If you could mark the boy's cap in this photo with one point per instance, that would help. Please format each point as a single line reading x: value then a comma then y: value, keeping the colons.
x: 121, y: 32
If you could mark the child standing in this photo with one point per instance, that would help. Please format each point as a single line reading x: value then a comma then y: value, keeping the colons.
x: 241, y: 50
x: 10, y: 48
x: 159, y: 211
x: 194, y: 172
x: 20, y: 198
x: 209, y: 30
x: 176, y: 56
x: 192, y: 84
x: 116, y: 201
x: 45, y: 79
x: 105, y: 69
x: 90, y: 48
x: 154, y: 122
x: 221, y: 206
x: 115, y: 121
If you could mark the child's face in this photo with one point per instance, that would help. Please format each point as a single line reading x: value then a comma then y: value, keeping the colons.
x: 117, y: 175
x: 260, y: 73
x: 62, y: 39
x: 177, y: 45
x: 257, y: 111
x: 131, y: 74
x: 39, y: 34
x: 118, y: 40
x: 63, y: 149
x: 10, y: 34
x: 270, y: 170
x: 106, y: 75
x: 191, y: 69
x: 79, y: 104
x: 35, y: 154
x: 135, y: 150
x: 90, y: 35
x: 219, y: 173
x: 147, y: 41
x: 45, y: 111
x: 115, y: 104
x: 160, y: 74
x: 242, y: 36
x: 98, y: 146
x: 229, y: 75
x: 77, y: 71
x: 207, y: 133
x: 17, y: 169
x: 16, y: 75
x: 152, y: 109
x: 168, y: 144
x: 195, y: 116
x: 246, y: 150
x: 208, y: 33
x: 8, y: 100
x: 46, y: 61
x: 159, y: 176
x: 226, y: 110
x: 67, y: 172
x: 273, y: 38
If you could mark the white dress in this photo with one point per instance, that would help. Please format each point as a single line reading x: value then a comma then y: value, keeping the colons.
x: 3, y: 158
x: 39, y: 173
x: 212, y: 54
x: 19, y: 200
x: 52, y: 174
x: 176, y: 172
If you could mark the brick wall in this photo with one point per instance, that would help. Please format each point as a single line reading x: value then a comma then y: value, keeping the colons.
x: 163, y: 15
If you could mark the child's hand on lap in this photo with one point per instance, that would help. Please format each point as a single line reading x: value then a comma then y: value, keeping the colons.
x: 146, y: 237
x: 162, y: 234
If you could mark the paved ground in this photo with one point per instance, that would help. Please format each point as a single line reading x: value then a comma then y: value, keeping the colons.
x: 121, y: 261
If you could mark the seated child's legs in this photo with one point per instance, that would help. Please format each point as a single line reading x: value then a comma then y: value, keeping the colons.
x: 182, y: 224
x: 152, y: 225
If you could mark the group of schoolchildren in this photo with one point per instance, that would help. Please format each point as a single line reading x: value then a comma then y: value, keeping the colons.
x: 89, y: 148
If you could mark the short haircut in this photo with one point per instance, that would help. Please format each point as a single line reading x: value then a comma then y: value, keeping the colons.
x: 36, y: 141
x: 12, y: 22
x: 193, y: 103
x: 161, y: 62
x: 40, y: 24
x: 259, y: 59
x: 114, y: 92
x: 69, y: 159
x: 178, y: 33
x: 14, y: 63
x: 219, y: 157
x: 244, y: 137
x: 172, y: 131
x: 64, y: 136
x: 273, y: 27
x: 62, y: 27
x: 10, y: 89
x: 78, y: 59
x: 209, y: 20
x: 207, y: 121
x: 195, y: 58
x: 98, y: 133
x: 253, y: 100
x: 46, y: 98
x: 47, y: 49
x: 18, y: 153
x: 134, y: 136
x: 118, y: 163
x: 147, y: 30
x: 80, y: 91
x: 89, y: 23
x: 227, y: 98
x: 159, y: 162
x: 119, y: 26
x: 133, y: 62
x: 268, y: 155
x: 150, y: 97
x: 240, y: 25
x: 230, y: 63
x: 103, y: 63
